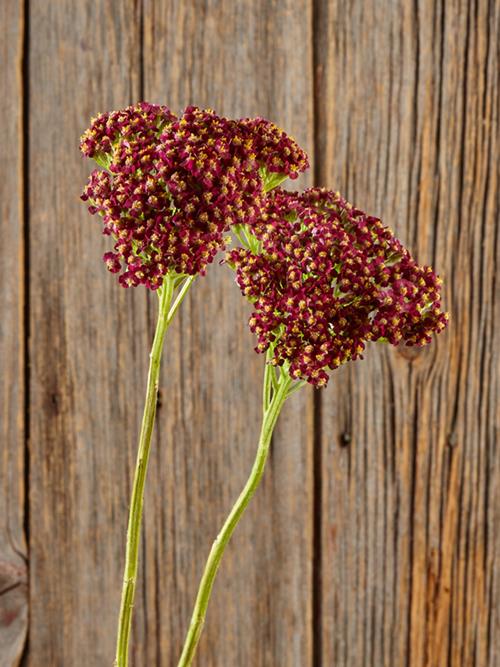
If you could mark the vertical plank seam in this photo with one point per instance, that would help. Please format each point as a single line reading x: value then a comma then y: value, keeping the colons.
x: 317, y: 489
x: 463, y: 535
x: 24, y: 221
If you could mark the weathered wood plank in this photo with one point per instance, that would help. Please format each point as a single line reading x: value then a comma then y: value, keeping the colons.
x: 89, y: 343
x: 407, y: 100
x: 13, y: 550
x: 243, y: 59
x: 89, y: 361
x: 407, y: 103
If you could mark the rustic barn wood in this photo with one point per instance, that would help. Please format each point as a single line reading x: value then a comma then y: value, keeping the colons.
x: 407, y: 126
x: 224, y: 55
x: 85, y: 335
x: 13, y: 459
x: 374, y: 538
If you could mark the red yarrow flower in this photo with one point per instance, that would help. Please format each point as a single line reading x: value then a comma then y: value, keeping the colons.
x: 325, y: 278
x: 172, y: 187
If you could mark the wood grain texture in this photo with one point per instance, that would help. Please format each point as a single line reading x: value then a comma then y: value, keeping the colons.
x: 243, y: 59
x: 90, y: 363
x: 407, y: 118
x: 89, y: 343
x: 13, y: 551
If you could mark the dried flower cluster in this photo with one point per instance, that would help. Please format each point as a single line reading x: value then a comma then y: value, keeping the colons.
x: 326, y: 278
x: 172, y: 187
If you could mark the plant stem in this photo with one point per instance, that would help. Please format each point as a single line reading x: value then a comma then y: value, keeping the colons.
x: 272, y: 407
x: 165, y: 316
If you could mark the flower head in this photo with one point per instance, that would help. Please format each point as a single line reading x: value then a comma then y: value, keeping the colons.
x: 173, y: 186
x: 324, y: 278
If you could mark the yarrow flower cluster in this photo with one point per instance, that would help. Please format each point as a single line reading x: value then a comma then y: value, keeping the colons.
x: 172, y: 186
x: 324, y: 278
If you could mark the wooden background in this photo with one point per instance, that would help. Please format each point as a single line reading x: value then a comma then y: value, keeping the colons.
x: 374, y: 538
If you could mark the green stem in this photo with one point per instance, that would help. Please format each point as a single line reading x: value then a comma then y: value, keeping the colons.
x: 166, y: 313
x: 269, y: 377
x: 272, y: 408
x: 180, y: 297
